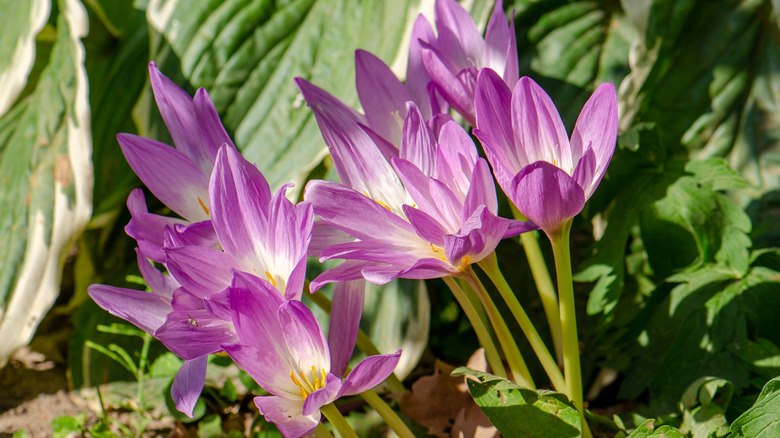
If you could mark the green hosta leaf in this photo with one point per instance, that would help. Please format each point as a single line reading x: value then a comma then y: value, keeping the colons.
x: 21, y: 23
x: 517, y: 411
x: 397, y: 316
x: 46, y: 172
x: 762, y: 420
x: 246, y: 53
x: 648, y: 430
x: 569, y: 47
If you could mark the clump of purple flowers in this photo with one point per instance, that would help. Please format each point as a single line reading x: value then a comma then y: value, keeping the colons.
x: 415, y: 200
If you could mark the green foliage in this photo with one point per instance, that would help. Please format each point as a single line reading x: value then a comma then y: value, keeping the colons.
x: 517, y: 411
x: 704, y: 406
x: 762, y: 420
x: 648, y: 430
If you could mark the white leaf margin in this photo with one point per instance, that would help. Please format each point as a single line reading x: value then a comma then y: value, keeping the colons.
x: 38, y: 283
x: 13, y: 79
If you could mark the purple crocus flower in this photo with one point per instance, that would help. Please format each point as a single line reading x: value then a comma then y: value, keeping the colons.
x: 178, y: 176
x: 547, y: 176
x: 454, y: 58
x: 449, y: 223
x: 151, y: 312
x: 281, y: 345
x: 259, y: 233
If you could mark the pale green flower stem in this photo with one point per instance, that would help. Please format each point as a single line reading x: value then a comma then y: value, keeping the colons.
x: 490, y: 266
x: 322, y: 432
x: 544, y: 284
x: 337, y: 420
x: 391, y: 418
x: 364, y: 343
x: 479, y: 323
x: 516, y: 363
x: 568, y: 317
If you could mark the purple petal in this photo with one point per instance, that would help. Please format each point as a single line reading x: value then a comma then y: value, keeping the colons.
x: 286, y: 415
x: 188, y: 384
x: 322, y: 396
x: 239, y: 202
x: 426, y: 226
x: 360, y: 164
x: 538, y: 127
x: 344, y: 323
x: 416, y: 77
x: 418, y: 144
x: 449, y: 84
x: 145, y: 310
x: 255, y: 303
x: 323, y: 235
x: 481, y: 192
x: 213, y: 134
x: 496, y: 39
x: 585, y: 172
x: 353, y: 212
x: 202, y: 271
x: 382, y: 95
x: 512, y: 67
x: 347, y: 271
x: 452, y: 19
x: 191, y: 331
x: 515, y: 228
x: 370, y: 372
x: 492, y: 103
x: 547, y: 195
x: 180, y: 116
x: 156, y: 280
x: 169, y: 174
x: 270, y: 370
x: 416, y: 183
x: 596, y: 130
x: 305, y: 341
x: 198, y: 234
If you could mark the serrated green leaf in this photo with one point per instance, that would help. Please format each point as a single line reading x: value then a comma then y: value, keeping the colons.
x: 762, y: 356
x: 21, y: 23
x: 45, y: 169
x: 704, y: 405
x: 762, y: 420
x: 66, y: 425
x: 571, y: 47
x: 648, y: 430
x: 517, y: 411
x: 705, y: 71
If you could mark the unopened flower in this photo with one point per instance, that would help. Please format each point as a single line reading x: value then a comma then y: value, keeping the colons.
x: 546, y: 175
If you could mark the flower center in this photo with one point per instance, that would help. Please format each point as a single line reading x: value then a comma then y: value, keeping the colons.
x: 308, y: 386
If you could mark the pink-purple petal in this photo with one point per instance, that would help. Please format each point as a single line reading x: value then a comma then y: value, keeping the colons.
x: 305, y: 341
x: 370, y: 372
x: 169, y: 174
x: 382, y: 95
x: 188, y: 384
x: 145, y: 310
x: 538, y: 128
x: 418, y: 144
x: 344, y: 322
x: 417, y: 78
x: 286, y: 415
x: 547, y: 195
x: 596, y: 130
x: 322, y: 396
x: 203, y: 271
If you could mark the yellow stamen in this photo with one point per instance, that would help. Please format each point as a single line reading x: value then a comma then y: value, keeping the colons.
x: 271, y: 280
x: 292, y: 376
x: 206, y: 209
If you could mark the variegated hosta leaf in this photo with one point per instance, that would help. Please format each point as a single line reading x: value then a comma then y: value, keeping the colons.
x: 21, y: 22
x: 46, y: 177
x: 398, y: 316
